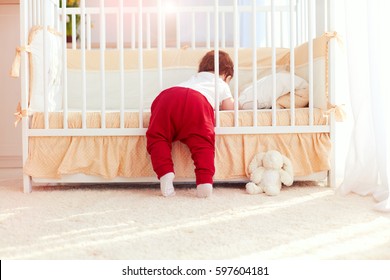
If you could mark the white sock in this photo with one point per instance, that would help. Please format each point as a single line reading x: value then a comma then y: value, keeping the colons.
x: 204, y: 190
x: 166, y: 184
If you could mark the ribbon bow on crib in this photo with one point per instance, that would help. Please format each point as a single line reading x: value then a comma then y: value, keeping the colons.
x: 19, y: 114
x: 335, y: 35
x: 15, y: 70
x: 338, y: 111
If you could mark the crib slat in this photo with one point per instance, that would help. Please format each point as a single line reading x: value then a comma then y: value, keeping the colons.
x: 148, y: 36
x: 24, y: 80
x: 331, y: 26
x: 30, y: 14
x: 34, y: 13
x: 73, y: 19
x: 301, y: 17
x: 281, y: 33
x: 83, y: 66
x: 45, y: 64
x: 178, y: 37
x: 268, y: 25
x: 39, y: 10
x: 236, y: 46
x: 64, y: 67
x: 254, y: 62
x: 56, y: 18
x: 223, y: 30
x: 311, y: 29
x: 24, y: 77
x: 140, y: 64
x: 103, y: 62
x: 208, y: 28
x: 133, y: 31
x: 305, y: 20
x: 216, y: 59
x: 292, y: 64
x: 163, y: 30
x: 331, y: 92
x: 273, y: 46
x: 88, y: 26
x: 121, y: 66
x: 159, y: 45
x: 193, y: 30
x: 297, y: 21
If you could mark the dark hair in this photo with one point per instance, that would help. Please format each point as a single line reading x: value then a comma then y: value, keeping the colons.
x: 226, y: 66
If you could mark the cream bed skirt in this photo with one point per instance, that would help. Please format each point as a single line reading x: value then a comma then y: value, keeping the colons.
x: 126, y: 156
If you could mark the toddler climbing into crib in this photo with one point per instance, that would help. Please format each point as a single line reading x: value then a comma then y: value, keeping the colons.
x: 186, y: 113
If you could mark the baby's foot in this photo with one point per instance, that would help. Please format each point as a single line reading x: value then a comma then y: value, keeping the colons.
x: 204, y: 190
x: 166, y: 184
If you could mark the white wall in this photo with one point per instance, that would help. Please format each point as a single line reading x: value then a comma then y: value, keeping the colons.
x: 10, y: 137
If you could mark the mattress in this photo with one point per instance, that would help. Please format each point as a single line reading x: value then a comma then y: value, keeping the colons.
x: 126, y: 156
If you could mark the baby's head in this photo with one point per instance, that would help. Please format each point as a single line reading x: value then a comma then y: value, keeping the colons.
x: 226, y: 67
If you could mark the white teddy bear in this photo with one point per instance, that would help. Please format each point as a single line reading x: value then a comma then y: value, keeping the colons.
x: 267, y: 173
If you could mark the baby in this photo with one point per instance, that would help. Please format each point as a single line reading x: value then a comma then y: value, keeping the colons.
x: 186, y: 113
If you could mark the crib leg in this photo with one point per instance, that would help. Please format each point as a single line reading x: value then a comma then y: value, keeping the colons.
x: 331, y: 180
x: 27, y: 184
x: 332, y: 171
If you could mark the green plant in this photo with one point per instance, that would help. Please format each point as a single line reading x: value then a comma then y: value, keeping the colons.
x: 69, y: 23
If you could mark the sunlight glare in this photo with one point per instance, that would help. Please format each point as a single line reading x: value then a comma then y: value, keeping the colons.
x: 169, y: 7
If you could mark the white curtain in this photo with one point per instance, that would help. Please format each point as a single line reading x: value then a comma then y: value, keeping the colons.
x: 367, y: 170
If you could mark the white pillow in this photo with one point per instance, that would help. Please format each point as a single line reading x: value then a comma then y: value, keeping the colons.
x: 54, y: 70
x: 265, y: 90
x: 319, y: 81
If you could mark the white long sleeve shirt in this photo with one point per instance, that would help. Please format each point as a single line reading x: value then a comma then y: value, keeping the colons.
x: 204, y: 82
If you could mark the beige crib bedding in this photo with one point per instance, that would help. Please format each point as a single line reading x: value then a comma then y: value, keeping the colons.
x: 126, y: 156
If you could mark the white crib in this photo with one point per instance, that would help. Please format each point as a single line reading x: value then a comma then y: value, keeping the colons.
x: 85, y: 96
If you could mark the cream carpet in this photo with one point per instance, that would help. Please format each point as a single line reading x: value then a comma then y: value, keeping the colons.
x: 306, y: 221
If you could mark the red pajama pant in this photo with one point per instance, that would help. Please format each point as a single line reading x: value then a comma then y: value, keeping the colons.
x: 182, y: 114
